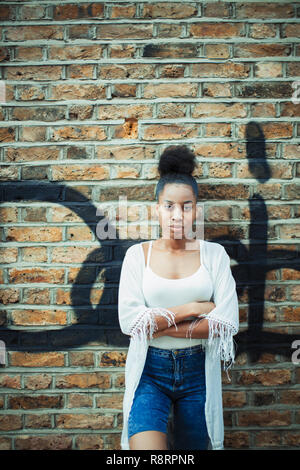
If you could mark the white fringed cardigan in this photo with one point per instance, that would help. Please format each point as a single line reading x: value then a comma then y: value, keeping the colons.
x: 137, y: 320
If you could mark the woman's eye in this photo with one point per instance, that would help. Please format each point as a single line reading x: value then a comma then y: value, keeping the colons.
x: 188, y: 208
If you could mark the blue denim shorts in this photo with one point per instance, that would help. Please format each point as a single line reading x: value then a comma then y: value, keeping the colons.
x: 172, y: 377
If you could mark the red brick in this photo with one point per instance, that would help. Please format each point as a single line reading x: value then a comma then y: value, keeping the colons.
x: 45, y: 442
x: 49, y: 359
x: 53, y: 276
x: 85, y: 421
x: 88, y: 380
x: 264, y: 418
x: 217, y: 30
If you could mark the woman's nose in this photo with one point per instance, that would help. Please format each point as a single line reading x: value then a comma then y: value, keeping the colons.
x: 177, y: 213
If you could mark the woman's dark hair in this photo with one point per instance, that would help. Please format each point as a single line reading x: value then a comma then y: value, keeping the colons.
x: 176, y: 165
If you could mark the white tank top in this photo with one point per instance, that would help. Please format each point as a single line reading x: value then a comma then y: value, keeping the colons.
x: 162, y: 292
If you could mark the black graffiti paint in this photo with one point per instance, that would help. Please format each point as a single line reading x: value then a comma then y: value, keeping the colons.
x: 99, y: 325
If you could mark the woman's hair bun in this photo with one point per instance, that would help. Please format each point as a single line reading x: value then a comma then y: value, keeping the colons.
x: 176, y: 159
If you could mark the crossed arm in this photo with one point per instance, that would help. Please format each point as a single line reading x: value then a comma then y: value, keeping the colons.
x: 182, y: 312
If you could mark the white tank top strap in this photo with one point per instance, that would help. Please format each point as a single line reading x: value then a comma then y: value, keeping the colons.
x: 149, y: 252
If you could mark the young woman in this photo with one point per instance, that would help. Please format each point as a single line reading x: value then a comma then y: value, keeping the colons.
x: 178, y: 302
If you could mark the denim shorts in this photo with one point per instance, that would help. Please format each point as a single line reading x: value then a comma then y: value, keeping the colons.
x: 172, y: 377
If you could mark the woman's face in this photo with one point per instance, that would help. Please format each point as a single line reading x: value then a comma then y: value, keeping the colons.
x: 176, y: 210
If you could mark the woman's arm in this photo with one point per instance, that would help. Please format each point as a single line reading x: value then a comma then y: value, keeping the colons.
x: 200, y: 330
x: 182, y: 312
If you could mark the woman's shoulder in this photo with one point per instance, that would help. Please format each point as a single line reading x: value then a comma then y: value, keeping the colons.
x: 213, y: 248
x: 134, y: 251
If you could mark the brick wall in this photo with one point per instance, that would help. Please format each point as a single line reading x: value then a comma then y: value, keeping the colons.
x: 94, y: 92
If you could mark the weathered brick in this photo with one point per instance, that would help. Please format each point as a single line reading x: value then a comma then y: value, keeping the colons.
x: 73, y: 11
x: 32, y: 12
x: 39, y: 317
x: 5, y: 443
x: 217, y: 9
x: 219, y: 129
x: 38, y: 381
x: 34, y: 234
x: 80, y: 172
x: 10, y: 422
x: 264, y: 10
x: 183, y: 50
x: 45, y: 442
x: 81, y: 358
x: 8, y: 295
x: 33, y: 133
x: 79, y: 71
x: 90, y: 442
x: 172, y: 71
x: 38, y: 421
x: 127, y: 71
x: 142, y: 111
x: 124, y: 31
x: 264, y: 418
x: 79, y: 133
x: 40, y: 113
x: 80, y: 400
x: 265, y: 377
x: 34, y: 72
x: 234, y: 399
x: 236, y: 440
x: 38, y: 296
x: 23, y: 33
x: 261, y: 31
x: 123, y: 11
x: 171, y: 131
x: 262, y: 50
x: 168, y: 10
x: 8, y: 255
x: 75, y: 52
x: 123, y: 91
x: 87, y: 380
x: 83, y: 91
x: 109, y: 401
x: 126, y: 152
x: 26, y: 402
x: 29, y: 53
x: 268, y: 439
x: 84, y: 421
x: 232, y: 110
x: 170, y: 90
x: 7, y: 134
x: 122, y: 51
x: 112, y: 359
x: 9, y: 381
x: 20, y: 154
x: 217, y: 51
x: 217, y: 30
x: 169, y: 30
x: 49, y: 359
